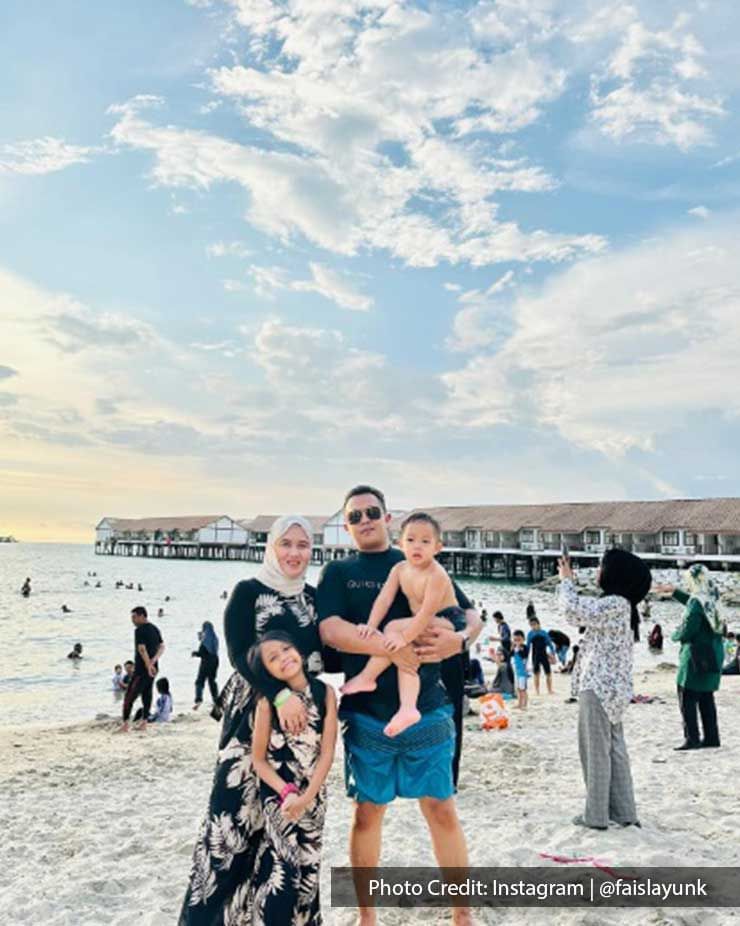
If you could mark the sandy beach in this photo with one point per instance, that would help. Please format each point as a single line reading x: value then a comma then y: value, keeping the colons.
x: 100, y: 828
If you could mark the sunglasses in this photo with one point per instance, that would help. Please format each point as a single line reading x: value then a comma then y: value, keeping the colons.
x: 374, y: 513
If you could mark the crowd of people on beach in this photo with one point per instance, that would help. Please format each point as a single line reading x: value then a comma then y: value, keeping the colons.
x: 404, y: 636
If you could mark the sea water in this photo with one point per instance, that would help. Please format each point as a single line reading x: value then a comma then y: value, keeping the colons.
x: 40, y: 686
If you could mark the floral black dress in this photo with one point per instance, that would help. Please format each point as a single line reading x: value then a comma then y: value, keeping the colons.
x: 224, y: 883
x: 285, y: 885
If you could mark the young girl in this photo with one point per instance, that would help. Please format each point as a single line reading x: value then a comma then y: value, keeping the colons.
x: 163, y: 712
x: 292, y: 768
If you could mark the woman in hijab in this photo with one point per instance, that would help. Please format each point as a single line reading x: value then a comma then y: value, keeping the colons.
x: 700, y: 658
x: 207, y: 652
x: 278, y: 598
x: 611, y: 625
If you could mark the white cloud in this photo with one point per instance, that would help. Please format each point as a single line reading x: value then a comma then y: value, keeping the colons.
x: 483, y: 316
x: 42, y: 156
x: 616, y: 350
x: 379, y: 118
x: 334, y: 287
x: 229, y: 249
x: 701, y: 212
x: 651, y: 87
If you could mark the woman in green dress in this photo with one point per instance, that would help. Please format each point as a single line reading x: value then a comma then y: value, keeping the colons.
x: 700, y: 657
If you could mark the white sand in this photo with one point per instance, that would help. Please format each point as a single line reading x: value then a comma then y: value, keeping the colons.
x: 100, y: 828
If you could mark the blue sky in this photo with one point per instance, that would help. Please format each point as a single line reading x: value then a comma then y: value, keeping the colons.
x: 253, y: 252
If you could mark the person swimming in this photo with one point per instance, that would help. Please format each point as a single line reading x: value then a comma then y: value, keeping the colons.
x: 76, y: 652
x: 26, y: 588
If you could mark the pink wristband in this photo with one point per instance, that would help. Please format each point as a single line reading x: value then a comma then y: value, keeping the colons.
x: 290, y: 788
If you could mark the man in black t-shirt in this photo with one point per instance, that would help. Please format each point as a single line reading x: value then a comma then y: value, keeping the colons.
x: 418, y: 762
x: 149, y: 648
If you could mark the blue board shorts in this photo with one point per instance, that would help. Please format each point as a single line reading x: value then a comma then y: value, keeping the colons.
x: 416, y: 763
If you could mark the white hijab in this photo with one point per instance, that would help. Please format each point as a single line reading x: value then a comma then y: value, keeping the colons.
x: 270, y: 573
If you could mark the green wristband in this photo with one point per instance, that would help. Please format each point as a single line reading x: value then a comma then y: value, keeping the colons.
x: 281, y: 697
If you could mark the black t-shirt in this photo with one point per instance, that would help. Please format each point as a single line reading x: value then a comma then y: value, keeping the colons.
x: 559, y: 638
x: 148, y: 635
x: 348, y: 589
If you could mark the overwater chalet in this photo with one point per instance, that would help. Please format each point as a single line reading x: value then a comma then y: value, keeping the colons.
x: 483, y: 540
x: 192, y: 537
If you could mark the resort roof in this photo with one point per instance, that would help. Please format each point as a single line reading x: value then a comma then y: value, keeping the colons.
x: 263, y: 522
x: 187, y: 523
x: 701, y: 514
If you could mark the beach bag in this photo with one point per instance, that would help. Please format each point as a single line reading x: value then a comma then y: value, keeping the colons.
x: 492, y: 712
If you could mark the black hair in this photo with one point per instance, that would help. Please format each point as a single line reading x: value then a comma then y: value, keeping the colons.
x: 518, y: 633
x: 497, y: 615
x: 365, y: 490
x: 163, y: 685
x: 626, y: 575
x: 421, y: 517
x: 139, y: 611
x: 77, y: 646
x: 129, y: 662
x: 263, y: 679
x: 533, y: 618
x: 118, y: 666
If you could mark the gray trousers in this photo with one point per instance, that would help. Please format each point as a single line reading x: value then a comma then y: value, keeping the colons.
x: 605, y: 764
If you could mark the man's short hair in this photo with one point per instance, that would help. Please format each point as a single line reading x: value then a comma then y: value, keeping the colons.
x: 518, y: 633
x: 365, y: 490
x: 139, y: 611
x: 497, y: 615
x: 421, y: 517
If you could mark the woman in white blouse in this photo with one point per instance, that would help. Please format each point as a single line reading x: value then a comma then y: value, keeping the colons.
x: 605, y: 683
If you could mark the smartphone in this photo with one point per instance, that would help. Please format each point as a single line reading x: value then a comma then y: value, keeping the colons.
x: 564, y: 551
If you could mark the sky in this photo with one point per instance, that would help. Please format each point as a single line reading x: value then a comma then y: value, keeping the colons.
x: 254, y: 252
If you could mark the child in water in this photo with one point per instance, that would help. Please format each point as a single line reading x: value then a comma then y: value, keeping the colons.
x: 430, y: 593
x: 292, y: 769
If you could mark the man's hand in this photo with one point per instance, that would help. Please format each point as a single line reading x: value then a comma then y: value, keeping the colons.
x: 438, y: 643
x: 152, y: 669
x: 405, y: 660
x: 292, y: 715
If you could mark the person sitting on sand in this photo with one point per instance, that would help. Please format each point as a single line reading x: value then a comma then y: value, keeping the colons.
x: 655, y: 639
x: 164, y: 705
x: 561, y: 642
x: 292, y: 770
x: 605, y: 681
x: 429, y: 591
x: 117, y: 680
x: 503, y: 682
x: 519, y: 654
x: 76, y: 652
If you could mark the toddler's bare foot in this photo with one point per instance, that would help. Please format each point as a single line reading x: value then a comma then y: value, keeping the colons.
x: 122, y: 729
x: 401, y: 720
x: 357, y: 684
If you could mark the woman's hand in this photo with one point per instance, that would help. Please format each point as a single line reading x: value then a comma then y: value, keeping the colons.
x: 664, y: 589
x: 364, y: 631
x: 565, y: 570
x: 292, y: 715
